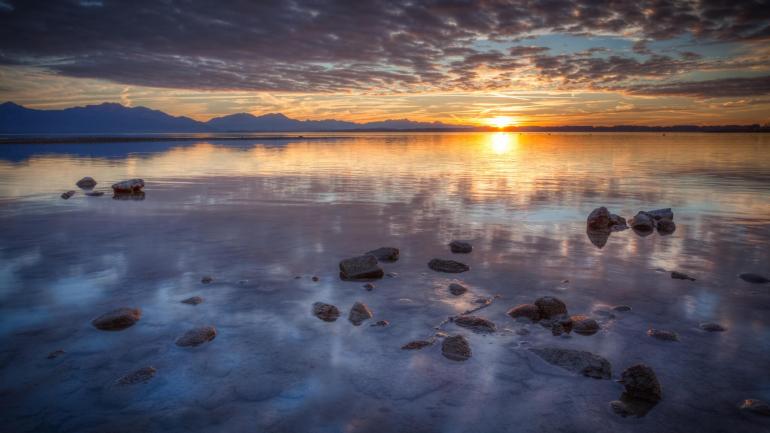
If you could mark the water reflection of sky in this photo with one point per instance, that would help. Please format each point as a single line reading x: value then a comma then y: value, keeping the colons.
x: 256, y: 214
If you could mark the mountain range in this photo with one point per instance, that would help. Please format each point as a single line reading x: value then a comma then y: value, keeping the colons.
x: 110, y: 118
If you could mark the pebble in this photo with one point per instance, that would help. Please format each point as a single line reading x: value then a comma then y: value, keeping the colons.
x: 528, y: 311
x: 461, y: 247
x: 94, y: 193
x: 363, y: 267
x: 381, y: 323
x: 550, y: 306
x: 385, y: 254
x: 143, y: 375
x: 622, y: 308
x: 456, y: 348
x: 475, y: 323
x: 117, y: 319
x: 369, y: 286
x: 661, y: 334
x: 449, y: 266
x: 197, y: 336
x: 457, y: 289
x: 712, y: 327
x: 207, y: 279
x: 55, y: 354
x: 326, y: 312
x: 67, y: 195
x: 641, y: 382
x: 86, y: 182
x: 359, y: 313
x: 195, y: 300
x: 416, y: 345
x: 577, y: 361
x: 584, y: 325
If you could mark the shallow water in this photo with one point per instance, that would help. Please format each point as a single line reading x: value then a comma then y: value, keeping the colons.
x: 255, y: 214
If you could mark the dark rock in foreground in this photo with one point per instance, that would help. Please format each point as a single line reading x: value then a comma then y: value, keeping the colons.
x: 757, y: 407
x: 128, y: 186
x: 712, y: 327
x: 681, y: 276
x: 529, y: 311
x: 385, y: 254
x: 550, y: 306
x: 478, y: 324
x: 87, y: 182
x: 449, y: 266
x: 143, y: 375
x: 577, y: 361
x: 584, y: 325
x: 664, y: 335
x: 416, y: 345
x: 643, y: 222
x: 456, y: 348
x: 326, y: 312
x: 460, y: 247
x: 358, y: 313
x: 197, y: 336
x: 754, y: 278
x: 195, y: 300
x: 665, y: 227
x: 67, y: 195
x: 360, y: 268
x: 661, y: 214
x: 457, y: 289
x: 117, y: 319
x: 641, y: 383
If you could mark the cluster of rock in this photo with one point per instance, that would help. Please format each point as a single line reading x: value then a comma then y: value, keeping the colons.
x: 601, y: 223
x: 125, y: 190
x: 551, y: 313
x: 366, y: 266
x: 576, y: 361
x: 359, y: 313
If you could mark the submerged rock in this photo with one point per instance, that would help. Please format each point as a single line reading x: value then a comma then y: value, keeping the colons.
x: 381, y: 323
x: 529, y: 311
x: 128, y: 186
x: 195, y: 300
x: 550, y: 306
x: 457, y: 289
x: 456, y: 348
x: 641, y: 382
x: 94, y: 193
x: 460, y: 247
x: 197, y: 336
x: 643, y: 222
x: 358, y: 313
x: 681, y: 276
x: 117, y: 319
x: 67, y: 195
x: 712, y: 327
x: 87, y: 182
x: 207, y: 279
x: 577, y: 361
x: 385, y: 254
x: 753, y: 406
x: 622, y: 308
x: 478, y: 324
x: 664, y: 335
x: 326, y: 312
x: 753, y: 278
x: 360, y: 268
x: 449, y: 266
x: 665, y: 227
x: 143, y: 375
x: 416, y: 345
x: 55, y: 354
x: 584, y: 325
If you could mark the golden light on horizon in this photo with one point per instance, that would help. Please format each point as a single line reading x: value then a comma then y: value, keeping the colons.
x: 501, y: 121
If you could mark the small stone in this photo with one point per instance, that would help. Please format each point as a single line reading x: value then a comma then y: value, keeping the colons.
x: 665, y: 227
x: 627, y: 406
x: 55, y: 354
x: 599, y: 218
x: 753, y: 278
x: 128, y: 186
x: 617, y: 223
x: 94, y: 193
x: 392, y: 275
x: 316, y: 279
x: 642, y: 383
x: 297, y: 277
x: 529, y: 311
x: 195, y: 300
x: 456, y: 348
x: 621, y: 308
x: 712, y: 327
x: 449, y: 266
x: 207, y: 279
x: 385, y: 254
x: 661, y: 214
x: 664, y: 335
x: 416, y: 345
x: 369, y: 286
x: 326, y: 312
x: 457, y: 289
x: 461, y: 247
x: 197, y: 336
x: 86, y: 183
x: 381, y: 323
x: 475, y: 323
x: 550, y: 306
x: 117, y: 319
x: 577, y: 361
x: 358, y: 313
x: 360, y: 268
x: 67, y: 195
x: 143, y: 375
x: 643, y: 222
x: 757, y: 407
x: 584, y: 325
x: 681, y: 276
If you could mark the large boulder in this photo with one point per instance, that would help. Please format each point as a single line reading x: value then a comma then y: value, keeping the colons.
x: 385, y: 254
x: 475, y: 323
x: 456, y: 348
x: 118, y: 319
x: 577, y: 361
x: 86, y: 183
x: 326, y: 312
x: 642, y: 383
x: 550, y: 306
x: 197, y: 336
x: 128, y: 186
x: 460, y: 247
x: 529, y: 311
x: 363, y: 267
x: 358, y: 313
x: 449, y: 266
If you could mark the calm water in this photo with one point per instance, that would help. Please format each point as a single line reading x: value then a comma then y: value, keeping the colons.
x: 255, y: 214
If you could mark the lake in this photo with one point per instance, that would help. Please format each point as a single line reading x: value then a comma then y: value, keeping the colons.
x: 262, y: 217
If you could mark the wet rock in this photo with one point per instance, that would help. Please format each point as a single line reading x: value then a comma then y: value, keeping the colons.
x: 207, y: 279
x: 475, y: 323
x: 360, y: 268
x: 128, y: 186
x: 529, y: 311
x: 385, y: 254
x: 640, y: 382
x: 456, y: 348
x: 661, y: 214
x: 197, y: 336
x: 392, y: 275
x: 681, y: 276
x: 381, y: 323
x: 416, y: 345
x: 599, y: 218
x: 449, y: 266
x: 577, y: 361
x: 628, y: 406
x: 584, y: 325
x: 55, y: 354
x: 643, y: 222
x: 461, y: 247
x: 665, y: 227
x: 94, y: 193
x: 712, y: 327
x: 67, y: 195
x: 664, y: 335
x: 753, y: 278
x: 326, y: 312
x: 757, y: 407
x: 358, y: 313
x: 315, y: 278
x: 617, y: 223
x: 195, y: 300
x: 457, y: 289
x: 86, y: 183
x: 143, y: 375
x: 550, y: 306
x: 117, y: 319
x: 622, y: 308
x: 369, y: 286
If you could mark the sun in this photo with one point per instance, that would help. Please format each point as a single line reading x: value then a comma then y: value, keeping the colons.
x: 501, y: 122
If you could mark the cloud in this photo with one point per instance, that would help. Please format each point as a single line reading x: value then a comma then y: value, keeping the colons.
x: 720, y: 88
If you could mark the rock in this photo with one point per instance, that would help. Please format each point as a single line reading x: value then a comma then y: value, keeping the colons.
x: 550, y: 306
x: 712, y: 327
x: 94, y: 193
x: 416, y: 345
x: 457, y: 289
x: 55, y: 354
x: 195, y: 300
x: 197, y: 336
x: 664, y: 335
x: 584, y: 325
x: 475, y: 323
x: 617, y: 223
x: 369, y: 286
x: 576, y: 361
x: 207, y: 279
x: 143, y: 375
x: 460, y: 247
x: 380, y: 323
x: 753, y: 278
x: 117, y: 319
x: 385, y: 254
x: 86, y: 183
x: 640, y: 382
x: 598, y: 237
x: 392, y: 275
x: 316, y: 279
x: 665, y: 227
x: 627, y: 406
x: 67, y: 195
x: 604, y: 311
x: 681, y: 276
x: 325, y: 312
x: 128, y: 186
x: 456, y: 348
x: 358, y: 313
x: 449, y: 266
x: 621, y: 308
x: 529, y: 311
x: 753, y: 406
x: 360, y: 268
x: 599, y: 218
x: 661, y: 214
x: 643, y: 222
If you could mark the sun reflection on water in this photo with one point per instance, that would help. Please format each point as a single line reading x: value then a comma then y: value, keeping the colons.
x: 502, y: 142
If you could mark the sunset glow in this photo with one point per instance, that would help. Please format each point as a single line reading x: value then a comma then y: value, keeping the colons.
x: 501, y: 122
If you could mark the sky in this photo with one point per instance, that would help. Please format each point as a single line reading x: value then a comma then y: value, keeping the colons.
x: 528, y: 62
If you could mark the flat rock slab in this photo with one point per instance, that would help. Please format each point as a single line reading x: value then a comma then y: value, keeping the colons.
x: 385, y: 254
x: 461, y: 247
x: 197, y: 336
x: 143, y: 375
x: 195, y: 300
x: 456, y: 348
x: 457, y: 289
x: 326, y: 312
x: 358, y: 313
x: 416, y: 345
x: 449, y: 266
x: 641, y: 382
x: 753, y: 278
x: 576, y: 361
x: 363, y: 267
x: 662, y: 334
x: 475, y: 323
x: 128, y: 186
x: 117, y: 319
